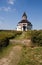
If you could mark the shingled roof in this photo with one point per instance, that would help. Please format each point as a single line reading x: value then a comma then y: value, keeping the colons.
x: 25, y: 21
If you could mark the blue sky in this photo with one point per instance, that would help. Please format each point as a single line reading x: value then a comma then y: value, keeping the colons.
x: 11, y: 12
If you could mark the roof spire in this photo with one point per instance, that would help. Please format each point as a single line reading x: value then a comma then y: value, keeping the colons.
x: 24, y: 14
x: 24, y: 17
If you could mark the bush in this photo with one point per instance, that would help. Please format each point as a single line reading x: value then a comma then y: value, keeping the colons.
x: 37, y: 37
x: 6, y: 35
x: 4, y: 42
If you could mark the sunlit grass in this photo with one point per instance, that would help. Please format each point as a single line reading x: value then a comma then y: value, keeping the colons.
x: 31, y: 56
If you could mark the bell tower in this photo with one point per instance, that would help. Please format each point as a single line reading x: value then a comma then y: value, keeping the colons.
x: 24, y: 17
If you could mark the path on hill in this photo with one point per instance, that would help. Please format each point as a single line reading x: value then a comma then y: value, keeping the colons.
x: 22, y: 36
x: 13, y: 57
x: 21, y: 39
x: 15, y: 54
x: 23, y: 42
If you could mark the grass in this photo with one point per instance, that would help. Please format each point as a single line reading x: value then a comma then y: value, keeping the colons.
x: 5, y: 51
x: 31, y: 56
x: 24, y: 35
x: 16, y: 55
x: 27, y: 56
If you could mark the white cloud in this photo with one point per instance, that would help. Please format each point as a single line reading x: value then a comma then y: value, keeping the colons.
x: 5, y: 9
x: 11, y: 2
x: 9, y: 8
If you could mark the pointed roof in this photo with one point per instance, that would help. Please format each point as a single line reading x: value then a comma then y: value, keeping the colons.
x: 24, y: 14
x: 25, y: 21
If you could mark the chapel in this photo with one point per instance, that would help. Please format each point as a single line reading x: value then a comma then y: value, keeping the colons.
x: 24, y: 24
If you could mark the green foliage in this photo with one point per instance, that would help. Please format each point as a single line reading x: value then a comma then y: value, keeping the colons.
x: 4, y: 51
x: 31, y: 56
x: 5, y: 35
x: 23, y: 35
x: 34, y: 35
x: 28, y: 34
x: 37, y: 37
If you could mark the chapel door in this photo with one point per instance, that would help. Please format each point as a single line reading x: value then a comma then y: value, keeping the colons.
x: 24, y: 28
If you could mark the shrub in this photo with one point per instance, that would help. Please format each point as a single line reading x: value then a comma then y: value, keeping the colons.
x: 37, y: 37
x: 5, y: 35
x: 4, y: 42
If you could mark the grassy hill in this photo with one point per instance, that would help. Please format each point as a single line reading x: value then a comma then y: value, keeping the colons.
x: 20, y: 54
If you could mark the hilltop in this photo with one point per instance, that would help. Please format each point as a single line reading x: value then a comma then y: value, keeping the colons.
x: 22, y: 48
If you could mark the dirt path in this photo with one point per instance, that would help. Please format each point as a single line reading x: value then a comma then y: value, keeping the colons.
x: 13, y: 57
x: 26, y: 42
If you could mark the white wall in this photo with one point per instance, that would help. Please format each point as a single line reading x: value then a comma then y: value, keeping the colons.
x: 18, y: 28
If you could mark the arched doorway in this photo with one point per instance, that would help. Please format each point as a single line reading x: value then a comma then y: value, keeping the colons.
x: 24, y: 28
